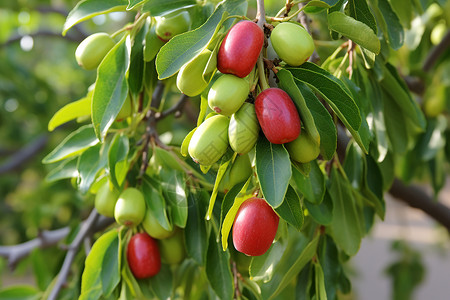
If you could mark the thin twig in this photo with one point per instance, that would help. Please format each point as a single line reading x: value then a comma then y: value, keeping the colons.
x: 436, y: 52
x: 176, y: 109
x: 43, y: 33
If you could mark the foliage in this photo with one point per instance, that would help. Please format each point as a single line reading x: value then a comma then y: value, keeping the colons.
x: 367, y: 49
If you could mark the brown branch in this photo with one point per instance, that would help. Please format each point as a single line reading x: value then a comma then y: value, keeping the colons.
x: 176, y: 109
x: 436, y: 52
x: 18, y: 159
x: 44, y: 33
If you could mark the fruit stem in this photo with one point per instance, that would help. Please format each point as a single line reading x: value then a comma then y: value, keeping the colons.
x: 261, y: 73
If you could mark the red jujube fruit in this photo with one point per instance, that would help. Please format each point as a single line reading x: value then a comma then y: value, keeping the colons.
x: 277, y: 116
x: 240, y: 49
x: 143, y: 256
x: 254, y: 227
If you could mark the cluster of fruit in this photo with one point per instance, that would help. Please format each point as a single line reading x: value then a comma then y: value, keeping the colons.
x: 146, y: 249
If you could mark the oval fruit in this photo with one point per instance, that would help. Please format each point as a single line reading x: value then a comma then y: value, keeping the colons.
x: 172, y: 24
x: 105, y: 200
x: 130, y: 208
x: 303, y: 149
x: 210, y: 141
x: 254, y: 227
x: 152, y: 44
x: 228, y: 94
x: 240, y: 49
x: 143, y: 256
x: 190, y: 79
x: 126, y: 110
x: 277, y: 116
x: 153, y: 228
x: 292, y: 43
x: 240, y: 171
x: 172, y: 249
x: 91, y: 51
x: 244, y: 129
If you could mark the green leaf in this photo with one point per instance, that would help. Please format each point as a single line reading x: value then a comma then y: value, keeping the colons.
x: 87, y: 9
x: 262, y: 267
x: 273, y: 168
x: 71, y: 111
x: 322, y: 119
x: 90, y: 163
x: 184, y: 47
x: 155, y: 202
x: 185, y: 144
x: 136, y: 72
x: 218, y: 269
x: 117, y: 163
x: 355, y: 30
x: 345, y: 224
x: 110, y: 269
x: 312, y: 187
x: 159, y: 8
x: 174, y: 191
x: 360, y: 11
x: 321, y: 293
x: 291, y: 210
x: 288, y: 85
x: 91, y: 280
x: 66, y: 169
x: 321, y: 213
x: 111, y: 88
x: 20, y: 292
x: 228, y: 200
x: 133, y: 3
x: 196, y: 235
x: 74, y: 144
x: 162, y: 283
x: 433, y: 140
x: 393, y: 28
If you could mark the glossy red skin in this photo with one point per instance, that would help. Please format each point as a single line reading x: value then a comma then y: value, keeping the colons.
x: 240, y: 49
x: 277, y: 116
x: 143, y: 256
x: 255, y: 227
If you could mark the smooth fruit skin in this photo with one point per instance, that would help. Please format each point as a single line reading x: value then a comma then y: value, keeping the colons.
x: 292, y: 43
x: 105, y: 200
x: 228, y: 94
x: 210, y: 141
x: 303, y: 149
x: 172, y: 249
x: 277, y: 116
x: 152, y: 44
x: 172, y: 24
x: 240, y: 170
x: 190, y: 79
x: 244, y: 129
x: 255, y: 227
x: 91, y: 51
x: 240, y: 49
x: 130, y: 208
x: 125, y: 111
x: 153, y: 228
x: 143, y: 256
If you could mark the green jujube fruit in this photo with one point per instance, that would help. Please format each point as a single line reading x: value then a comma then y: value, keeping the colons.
x: 303, y: 149
x: 240, y: 171
x: 293, y: 44
x: 172, y: 249
x: 228, y: 94
x: 125, y: 111
x: 130, y: 208
x: 244, y: 129
x: 91, y: 51
x: 152, y: 44
x: 153, y: 228
x: 210, y: 141
x: 172, y: 24
x: 190, y: 79
x: 105, y: 199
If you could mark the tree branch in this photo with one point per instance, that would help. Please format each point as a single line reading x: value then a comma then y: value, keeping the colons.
x: 46, y: 33
x: 436, y: 52
x: 176, y: 109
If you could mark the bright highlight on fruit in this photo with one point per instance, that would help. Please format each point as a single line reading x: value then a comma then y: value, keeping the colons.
x: 91, y: 51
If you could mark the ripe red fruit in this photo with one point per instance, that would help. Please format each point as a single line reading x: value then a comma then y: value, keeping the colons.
x: 254, y: 227
x: 240, y: 49
x: 277, y: 116
x: 143, y: 256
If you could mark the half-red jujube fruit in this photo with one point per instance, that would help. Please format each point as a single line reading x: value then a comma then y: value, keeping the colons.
x: 277, y: 116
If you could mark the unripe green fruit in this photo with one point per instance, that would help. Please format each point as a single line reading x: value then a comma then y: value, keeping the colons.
x: 130, y: 208
x: 239, y: 172
x: 125, y: 111
x: 172, y: 24
x: 153, y: 228
x: 292, y: 43
x: 190, y: 77
x: 436, y: 101
x: 91, y: 51
x: 303, y: 149
x: 152, y: 44
x: 105, y: 200
x: 244, y: 129
x: 228, y: 94
x: 210, y: 141
x: 438, y: 33
x: 172, y: 249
